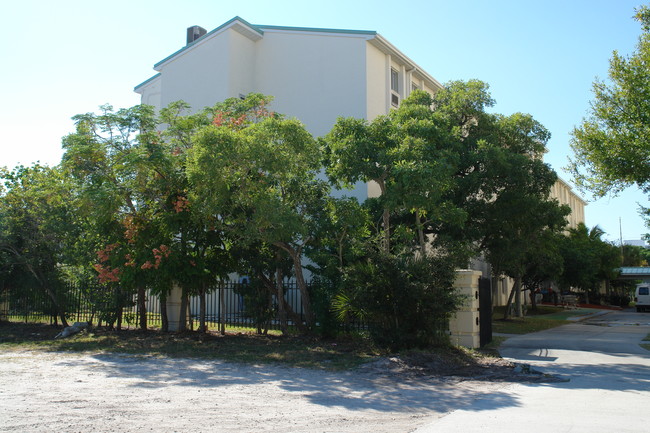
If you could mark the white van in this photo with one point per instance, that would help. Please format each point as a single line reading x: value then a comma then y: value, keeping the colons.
x: 642, y: 297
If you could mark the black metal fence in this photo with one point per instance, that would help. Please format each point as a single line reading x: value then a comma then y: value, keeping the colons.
x: 231, y: 303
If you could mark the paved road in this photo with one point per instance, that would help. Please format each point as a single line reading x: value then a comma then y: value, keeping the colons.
x: 608, y: 388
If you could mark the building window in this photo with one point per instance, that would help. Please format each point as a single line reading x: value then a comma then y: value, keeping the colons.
x: 394, y: 87
x: 394, y: 80
x: 414, y: 87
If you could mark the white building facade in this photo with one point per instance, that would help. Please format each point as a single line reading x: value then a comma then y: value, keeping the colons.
x: 315, y: 75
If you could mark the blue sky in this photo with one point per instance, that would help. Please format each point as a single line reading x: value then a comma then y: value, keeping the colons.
x: 539, y: 57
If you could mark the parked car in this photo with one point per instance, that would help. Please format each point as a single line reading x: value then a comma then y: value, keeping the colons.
x: 642, y: 297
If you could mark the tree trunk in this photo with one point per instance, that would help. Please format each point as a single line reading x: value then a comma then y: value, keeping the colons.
x: 420, y: 230
x: 386, y: 223
x: 267, y: 322
x: 282, y: 303
x: 202, y: 327
x: 385, y: 216
x: 163, y: 313
x: 182, y: 321
x: 59, y: 310
x: 222, y: 307
x: 282, y: 312
x: 517, y: 287
x: 142, y: 307
x: 533, y: 299
x: 506, y: 315
x: 120, y: 315
x: 300, y: 281
x: 302, y: 286
x: 190, y: 318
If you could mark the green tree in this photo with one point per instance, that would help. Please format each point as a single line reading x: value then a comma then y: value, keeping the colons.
x: 588, y: 260
x: 412, y: 158
x: 38, y: 230
x: 454, y: 179
x: 634, y: 255
x: 133, y: 179
x: 105, y: 157
x: 200, y: 251
x: 255, y: 173
x: 502, y: 183
x: 612, y: 146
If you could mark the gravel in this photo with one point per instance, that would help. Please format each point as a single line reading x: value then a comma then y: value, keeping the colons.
x: 79, y: 392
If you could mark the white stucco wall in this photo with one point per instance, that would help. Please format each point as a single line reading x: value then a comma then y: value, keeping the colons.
x: 315, y: 77
x: 564, y: 194
x: 377, y: 82
x: 200, y: 75
x: 151, y: 93
x: 241, y: 62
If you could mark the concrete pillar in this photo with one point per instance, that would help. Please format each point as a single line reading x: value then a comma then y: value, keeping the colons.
x: 464, y: 327
x: 174, y: 307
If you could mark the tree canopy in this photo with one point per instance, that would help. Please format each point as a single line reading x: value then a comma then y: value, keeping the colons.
x: 188, y: 199
x: 612, y: 146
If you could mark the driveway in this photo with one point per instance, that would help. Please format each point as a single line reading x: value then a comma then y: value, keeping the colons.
x: 607, y: 388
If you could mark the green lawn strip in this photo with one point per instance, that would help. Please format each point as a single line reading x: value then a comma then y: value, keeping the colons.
x: 565, y: 314
x: 525, y: 325
x: 545, y: 317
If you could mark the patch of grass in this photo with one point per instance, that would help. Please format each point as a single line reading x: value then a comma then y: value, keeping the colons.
x: 542, y: 310
x: 345, y: 352
x: 545, y: 317
x: 525, y: 325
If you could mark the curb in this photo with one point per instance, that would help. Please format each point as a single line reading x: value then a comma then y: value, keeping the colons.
x: 589, y: 315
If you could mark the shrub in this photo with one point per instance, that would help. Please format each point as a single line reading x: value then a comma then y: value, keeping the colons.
x: 406, y: 301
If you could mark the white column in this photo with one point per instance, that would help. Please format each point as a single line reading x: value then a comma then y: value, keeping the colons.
x: 174, y: 308
x: 387, y: 90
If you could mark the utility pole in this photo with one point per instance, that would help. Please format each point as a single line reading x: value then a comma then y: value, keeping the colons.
x: 620, y: 233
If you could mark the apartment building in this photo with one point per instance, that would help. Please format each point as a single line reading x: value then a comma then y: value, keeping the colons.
x: 565, y: 195
x: 315, y: 75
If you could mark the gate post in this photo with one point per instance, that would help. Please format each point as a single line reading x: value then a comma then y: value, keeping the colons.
x: 174, y: 308
x: 485, y: 309
x: 464, y: 326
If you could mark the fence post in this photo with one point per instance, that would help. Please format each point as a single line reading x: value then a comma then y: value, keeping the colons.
x: 464, y: 326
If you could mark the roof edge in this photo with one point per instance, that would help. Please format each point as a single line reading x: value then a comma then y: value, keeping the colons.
x: 230, y: 23
x: 383, y: 45
x: 145, y: 82
x: 317, y: 30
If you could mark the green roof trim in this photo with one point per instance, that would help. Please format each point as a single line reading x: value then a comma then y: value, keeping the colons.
x: 635, y: 270
x: 318, y: 30
x: 146, y: 81
x: 260, y: 29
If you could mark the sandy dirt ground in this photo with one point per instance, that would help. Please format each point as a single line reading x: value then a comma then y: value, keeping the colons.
x: 67, y: 392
